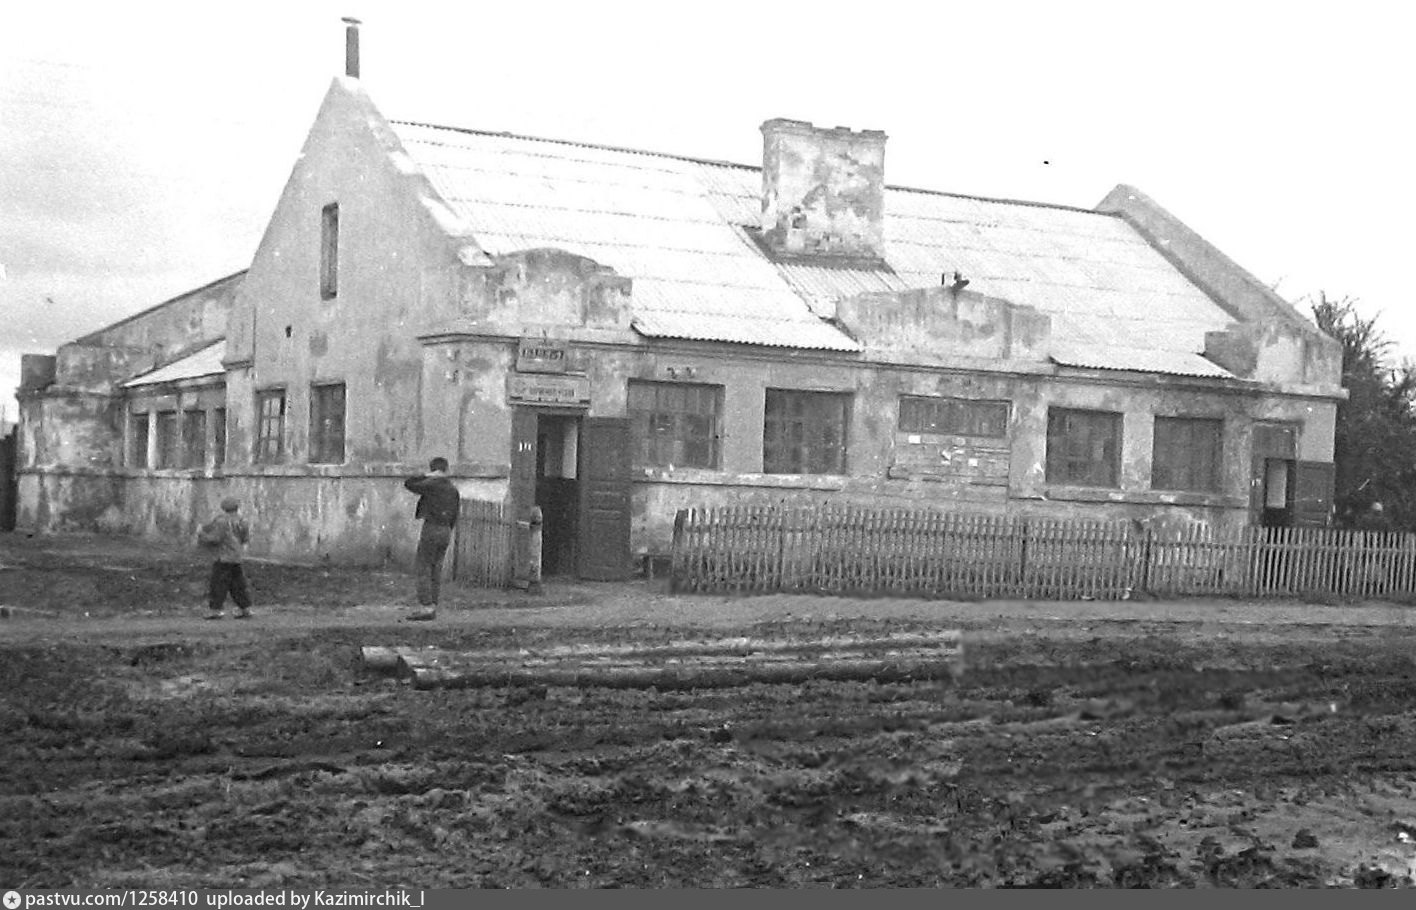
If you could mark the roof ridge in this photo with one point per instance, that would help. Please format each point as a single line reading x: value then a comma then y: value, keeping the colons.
x: 571, y: 142
x: 503, y: 134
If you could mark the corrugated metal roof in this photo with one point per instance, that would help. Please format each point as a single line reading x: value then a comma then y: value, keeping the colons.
x: 740, y: 329
x: 1140, y: 360
x: 675, y: 226
x: 206, y: 362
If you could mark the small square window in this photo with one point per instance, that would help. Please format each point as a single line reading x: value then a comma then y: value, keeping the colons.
x: 675, y: 424
x: 805, y: 432
x: 1083, y: 448
x: 1187, y: 454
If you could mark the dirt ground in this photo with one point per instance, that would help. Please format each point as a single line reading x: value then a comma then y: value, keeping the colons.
x: 1135, y: 744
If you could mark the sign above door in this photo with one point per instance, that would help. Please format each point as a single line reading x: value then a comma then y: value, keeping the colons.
x: 542, y: 355
x: 573, y: 391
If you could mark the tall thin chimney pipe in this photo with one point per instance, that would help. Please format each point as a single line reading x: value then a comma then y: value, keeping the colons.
x: 351, y: 47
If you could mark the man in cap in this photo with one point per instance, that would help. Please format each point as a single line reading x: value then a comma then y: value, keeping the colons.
x: 226, y: 535
x: 438, y: 505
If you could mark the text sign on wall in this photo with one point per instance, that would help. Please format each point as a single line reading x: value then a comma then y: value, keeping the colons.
x: 564, y: 390
x: 542, y: 355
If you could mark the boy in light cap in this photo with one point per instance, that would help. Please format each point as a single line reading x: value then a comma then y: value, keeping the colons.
x: 227, y: 535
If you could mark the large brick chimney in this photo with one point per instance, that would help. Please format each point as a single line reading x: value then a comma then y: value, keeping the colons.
x: 823, y: 191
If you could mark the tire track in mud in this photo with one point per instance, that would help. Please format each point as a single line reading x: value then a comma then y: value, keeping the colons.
x: 1124, y: 761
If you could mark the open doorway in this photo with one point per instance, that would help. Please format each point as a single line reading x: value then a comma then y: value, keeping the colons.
x: 576, y: 468
x: 557, y: 491
x: 1275, y: 454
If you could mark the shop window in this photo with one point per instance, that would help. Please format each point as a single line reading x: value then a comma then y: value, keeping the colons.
x: 675, y: 424
x: 1083, y: 447
x: 805, y: 432
x: 954, y: 416
x: 138, y: 446
x: 270, y: 426
x: 169, y: 443
x: 327, y: 423
x: 194, y: 438
x: 1186, y: 454
x: 329, y: 251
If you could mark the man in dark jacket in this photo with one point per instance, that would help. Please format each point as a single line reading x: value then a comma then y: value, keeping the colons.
x: 438, y: 505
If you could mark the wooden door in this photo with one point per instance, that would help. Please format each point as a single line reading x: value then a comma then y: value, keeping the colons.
x: 604, y: 499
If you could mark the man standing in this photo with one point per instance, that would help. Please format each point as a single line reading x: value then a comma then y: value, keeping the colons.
x: 438, y: 505
x: 227, y: 535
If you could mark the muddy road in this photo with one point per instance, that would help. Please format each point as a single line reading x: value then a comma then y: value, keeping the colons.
x: 1135, y: 745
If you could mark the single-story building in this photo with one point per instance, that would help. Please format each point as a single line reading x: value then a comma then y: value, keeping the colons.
x: 614, y: 334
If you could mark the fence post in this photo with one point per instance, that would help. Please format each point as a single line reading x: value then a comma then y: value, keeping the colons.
x: 1146, y: 559
x: 1023, y: 559
x: 527, y: 574
x: 676, y: 560
x: 533, y: 562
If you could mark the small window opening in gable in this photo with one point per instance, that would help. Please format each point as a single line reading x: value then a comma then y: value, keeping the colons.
x: 329, y: 251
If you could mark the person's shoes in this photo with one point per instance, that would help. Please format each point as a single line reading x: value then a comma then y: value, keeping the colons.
x: 243, y: 613
x: 215, y: 614
x: 424, y: 615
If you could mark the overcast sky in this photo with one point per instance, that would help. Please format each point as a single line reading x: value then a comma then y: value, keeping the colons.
x: 144, y: 145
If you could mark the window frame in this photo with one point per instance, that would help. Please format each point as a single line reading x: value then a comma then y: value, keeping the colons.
x: 329, y: 251
x: 667, y: 425
x: 322, y: 434
x: 1189, y: 462
x: 261, y: 453
x: 194, y: 451
x: 218, y: 437
x: 802, y: 437
x: 138, y: 444
x: 168, y: 429
x: 941, y: 408
x: 1060, y: 465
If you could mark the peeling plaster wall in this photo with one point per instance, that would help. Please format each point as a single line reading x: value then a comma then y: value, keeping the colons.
x: 152, y: 338
x: 466, y: 378
x: 399, y: 275
x: 340, y: 519
x: 941, y: 326
x: 541, y: 289
x: 72, y: 413
x: 73, y: 429
x: 396, y: 267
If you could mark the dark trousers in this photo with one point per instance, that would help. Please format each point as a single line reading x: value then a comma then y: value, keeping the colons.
x: 432, y: 546
x: 228, y: 577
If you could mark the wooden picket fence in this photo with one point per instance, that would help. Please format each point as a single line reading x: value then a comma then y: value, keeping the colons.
x: 482, y: 549
x: 849, y: 550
